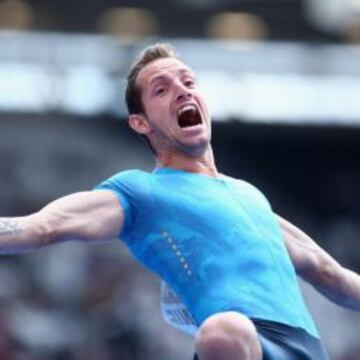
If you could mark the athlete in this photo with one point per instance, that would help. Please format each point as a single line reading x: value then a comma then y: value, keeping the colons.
x: 214, y: 240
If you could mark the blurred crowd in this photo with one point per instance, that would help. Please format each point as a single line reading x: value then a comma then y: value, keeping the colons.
x: 75, y: 302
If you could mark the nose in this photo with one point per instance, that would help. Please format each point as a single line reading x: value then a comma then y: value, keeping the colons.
x: 182, y: 93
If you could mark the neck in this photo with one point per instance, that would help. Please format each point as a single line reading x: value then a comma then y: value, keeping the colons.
x: 201, y: 164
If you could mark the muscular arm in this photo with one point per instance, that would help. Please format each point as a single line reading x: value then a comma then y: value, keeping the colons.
x: 85, y: 216
x: 317, y: 267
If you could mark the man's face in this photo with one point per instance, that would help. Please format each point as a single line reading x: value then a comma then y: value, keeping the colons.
x: 174, y: 108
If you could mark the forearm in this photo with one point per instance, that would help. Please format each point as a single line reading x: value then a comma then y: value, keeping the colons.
x: 319, y: 268
x: 20, y: 234
x: 86, y: 216
x: 342, y: 286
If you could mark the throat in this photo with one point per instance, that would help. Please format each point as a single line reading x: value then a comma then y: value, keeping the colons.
x: 203, y: 164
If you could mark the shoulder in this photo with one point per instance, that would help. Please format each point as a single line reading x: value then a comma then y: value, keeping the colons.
x: 133, y: 176
x: 248, y: 188
x: 127, y: 182
x: 241, y: 183
x: 129, y: 175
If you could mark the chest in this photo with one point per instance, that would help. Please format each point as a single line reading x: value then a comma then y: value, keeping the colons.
x: 212, y: 205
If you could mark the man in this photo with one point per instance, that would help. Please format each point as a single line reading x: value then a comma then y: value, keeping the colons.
x: 213, y: 239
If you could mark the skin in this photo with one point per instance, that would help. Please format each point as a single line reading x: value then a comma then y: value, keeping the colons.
x: 166, y: 86
x: 96, y: 216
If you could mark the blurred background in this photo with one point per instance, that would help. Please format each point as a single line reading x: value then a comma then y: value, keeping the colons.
x: 282, y: 78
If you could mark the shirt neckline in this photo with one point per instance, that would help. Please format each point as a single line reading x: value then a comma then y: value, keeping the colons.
x: 164, y: 170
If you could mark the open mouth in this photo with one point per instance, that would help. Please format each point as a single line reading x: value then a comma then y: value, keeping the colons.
x: 188, y: 116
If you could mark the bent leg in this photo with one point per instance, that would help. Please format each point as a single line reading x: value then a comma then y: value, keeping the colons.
x: 228, y: 336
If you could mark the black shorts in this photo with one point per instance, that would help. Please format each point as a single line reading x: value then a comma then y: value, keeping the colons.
x: 283, y: 342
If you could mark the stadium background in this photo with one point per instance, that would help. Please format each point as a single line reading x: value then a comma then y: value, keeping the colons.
x: 283, y: 81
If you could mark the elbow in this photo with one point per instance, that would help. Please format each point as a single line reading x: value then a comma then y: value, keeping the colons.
x: 326, y: 273
x: 330, y: 273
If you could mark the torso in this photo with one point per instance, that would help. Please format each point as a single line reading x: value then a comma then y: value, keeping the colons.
x: 217, y: 244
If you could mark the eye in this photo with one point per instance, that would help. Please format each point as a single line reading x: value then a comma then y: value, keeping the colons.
x: 189, y: 83
x: 160, y: 91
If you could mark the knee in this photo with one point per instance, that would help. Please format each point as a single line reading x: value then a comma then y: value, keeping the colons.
x: 227, y: 332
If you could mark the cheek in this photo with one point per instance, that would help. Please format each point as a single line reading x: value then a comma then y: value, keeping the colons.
x: 203, y: 105
x: 159, y: 110
x: 200, y: 98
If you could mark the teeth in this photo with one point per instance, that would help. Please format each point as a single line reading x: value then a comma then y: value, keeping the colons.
x: 186, y: 108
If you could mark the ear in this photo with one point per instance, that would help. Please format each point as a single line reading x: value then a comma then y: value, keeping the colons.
x: 139, y: 123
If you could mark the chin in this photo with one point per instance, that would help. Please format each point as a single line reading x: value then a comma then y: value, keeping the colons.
x: 195, y: 149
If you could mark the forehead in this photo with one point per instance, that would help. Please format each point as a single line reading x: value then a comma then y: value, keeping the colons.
x: 167, y: 67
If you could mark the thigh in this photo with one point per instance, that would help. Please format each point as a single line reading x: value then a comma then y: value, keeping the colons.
x: 278, y: 351
x: 271, y: 351
x: 281, y: 342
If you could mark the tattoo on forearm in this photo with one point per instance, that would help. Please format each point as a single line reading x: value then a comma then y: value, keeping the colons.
x: 9, y: 227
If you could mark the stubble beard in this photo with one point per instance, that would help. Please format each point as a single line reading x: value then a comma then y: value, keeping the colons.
x: 173, y: 145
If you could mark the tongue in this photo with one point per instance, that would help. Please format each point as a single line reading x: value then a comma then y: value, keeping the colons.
x: 189, y: 118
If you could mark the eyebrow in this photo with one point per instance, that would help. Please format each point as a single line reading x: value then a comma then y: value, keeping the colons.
x: 165, y: 77
x: 157, y: 78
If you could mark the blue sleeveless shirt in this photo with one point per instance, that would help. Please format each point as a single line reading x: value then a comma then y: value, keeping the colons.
x: 214, y: 241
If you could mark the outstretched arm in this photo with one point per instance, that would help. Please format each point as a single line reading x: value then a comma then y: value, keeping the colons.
x: 85, y: 216
x: 317, y: 267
